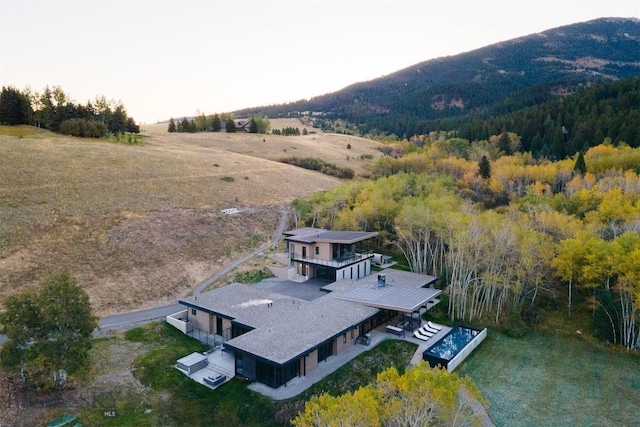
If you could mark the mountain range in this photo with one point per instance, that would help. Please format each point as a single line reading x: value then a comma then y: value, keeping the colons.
x: 443, y: 93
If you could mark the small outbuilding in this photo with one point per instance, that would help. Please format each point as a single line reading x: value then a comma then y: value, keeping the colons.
x: 192, y: 363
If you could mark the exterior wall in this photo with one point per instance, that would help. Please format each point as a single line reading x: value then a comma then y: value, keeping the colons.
x: 351, y: 272
x: 340, y: 346
x: 325, y: 251
x: 226, y: 325
x: 179, y: 320
x: 297, y: 249
x: 201, y: 320
x: 206, y: 322
x: 312, y: 361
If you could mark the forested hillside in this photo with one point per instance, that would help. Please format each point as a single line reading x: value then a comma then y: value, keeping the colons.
x: 464, y: 92
x: 529, y: 239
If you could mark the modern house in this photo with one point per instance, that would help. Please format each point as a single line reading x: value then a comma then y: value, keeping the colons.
x: 275, y: 337
x: 331, y: 255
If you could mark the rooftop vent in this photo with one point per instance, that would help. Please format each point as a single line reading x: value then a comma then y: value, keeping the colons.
x: 382, y: 280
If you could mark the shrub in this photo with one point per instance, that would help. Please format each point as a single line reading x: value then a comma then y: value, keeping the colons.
x: 228, y: 178
x: 83, y: 128
x: 320, y: 166
x: 516, y: 327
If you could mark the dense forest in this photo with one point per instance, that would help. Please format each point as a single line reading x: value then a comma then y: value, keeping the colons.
x: 519, y: 86
x: 530, y: 238
x: 54, y: 110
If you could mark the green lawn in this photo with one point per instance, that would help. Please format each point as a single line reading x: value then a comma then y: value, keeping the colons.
x: 174, y: 399
x: 555, y: 380
x: 539, y: 380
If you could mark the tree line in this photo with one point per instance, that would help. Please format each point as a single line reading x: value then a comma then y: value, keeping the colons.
x: 290, y: 131
x: 512, y: 243
x: 53, y: 109
x: 217, y: 123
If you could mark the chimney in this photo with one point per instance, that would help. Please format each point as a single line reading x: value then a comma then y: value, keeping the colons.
x: 382, y: 280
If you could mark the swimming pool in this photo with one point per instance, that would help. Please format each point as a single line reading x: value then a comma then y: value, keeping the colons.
x: 454, y: 347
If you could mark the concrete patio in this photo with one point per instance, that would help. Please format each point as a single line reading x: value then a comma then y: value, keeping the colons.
x: 220, y: 362
x: 333, y: 363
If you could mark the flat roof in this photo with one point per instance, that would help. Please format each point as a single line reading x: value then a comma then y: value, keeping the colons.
x: 392, y: 277
x: 392, y: 297
x: 313, y: 235
x: 285, y: 327
x: 295, y: 330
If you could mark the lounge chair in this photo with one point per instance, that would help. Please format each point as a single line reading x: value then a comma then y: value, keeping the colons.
x: 426, y: 328
x: 418, y: 335
x: 434, y: 326
x: 426, y: 332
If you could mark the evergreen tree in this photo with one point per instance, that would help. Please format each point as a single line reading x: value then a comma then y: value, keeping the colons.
x: 230, y: 125
x: 172, y: 125
x: 484, y: 168
x: 216, y: 124
x: 580, y: 166
x: 504, y: 143
x: 253, y: 127
x: 15, y: 108
x: 184, y: 125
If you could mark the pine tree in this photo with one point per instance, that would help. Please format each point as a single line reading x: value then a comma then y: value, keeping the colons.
x: 184, y: 125
x: 580, y: 166
x: 172, y: 125
x: 504, y: 143
x: 216, y: 124
x: 15, y: 108
x: 484, y: 168
x: 231, y: 125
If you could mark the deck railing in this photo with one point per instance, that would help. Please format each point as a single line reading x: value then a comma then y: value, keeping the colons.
x: 339, y: 262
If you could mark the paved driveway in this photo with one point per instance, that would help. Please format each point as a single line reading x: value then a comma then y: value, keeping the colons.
x: 308, y: 290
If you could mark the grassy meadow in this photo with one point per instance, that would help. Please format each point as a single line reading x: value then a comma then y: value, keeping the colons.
x: 141, y: 225
x: 555, y: 379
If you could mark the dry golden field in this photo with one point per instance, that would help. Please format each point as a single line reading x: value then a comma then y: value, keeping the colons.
x: 141, y: 225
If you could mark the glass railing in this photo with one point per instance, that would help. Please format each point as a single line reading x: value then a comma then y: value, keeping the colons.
x: 338, y: 262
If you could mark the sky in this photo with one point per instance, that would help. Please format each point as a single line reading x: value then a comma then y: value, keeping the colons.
x: 171, y: 58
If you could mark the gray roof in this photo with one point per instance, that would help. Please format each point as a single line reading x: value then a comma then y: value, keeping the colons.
x: 285, y: 327
x: 392, y: 277
x: 391, y: 297
x: 313, y: 235
x: 293, y: 330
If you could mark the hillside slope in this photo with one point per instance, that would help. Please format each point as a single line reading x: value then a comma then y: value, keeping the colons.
x: 142, y: 225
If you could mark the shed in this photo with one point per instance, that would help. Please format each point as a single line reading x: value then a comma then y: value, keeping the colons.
x: 192, y: 363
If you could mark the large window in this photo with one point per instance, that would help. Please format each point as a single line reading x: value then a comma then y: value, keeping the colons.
x: 340, y: 252
x: 275, y: 376
x: 324, y: 351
